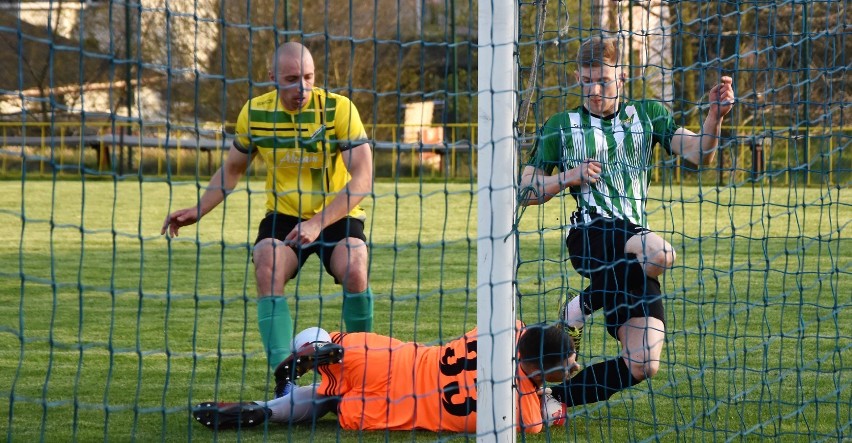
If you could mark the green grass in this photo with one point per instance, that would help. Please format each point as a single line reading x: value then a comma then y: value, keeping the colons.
x: 110, y: 331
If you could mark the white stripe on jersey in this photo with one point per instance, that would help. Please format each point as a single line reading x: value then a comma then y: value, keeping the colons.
x: 601, y: 155
x: 577, y: 134
x: 641, y: 153
x: 638, y: 172
x: 625, y: 167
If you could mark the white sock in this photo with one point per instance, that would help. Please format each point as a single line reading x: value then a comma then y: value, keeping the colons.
x: 302, y: 404
x: 574, y: 314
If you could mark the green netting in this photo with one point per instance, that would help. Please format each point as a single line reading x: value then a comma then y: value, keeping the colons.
x: 117, y: 113
x: 756, y: 333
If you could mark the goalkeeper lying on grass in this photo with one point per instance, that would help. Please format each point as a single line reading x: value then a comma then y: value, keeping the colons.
x: 375, y: 382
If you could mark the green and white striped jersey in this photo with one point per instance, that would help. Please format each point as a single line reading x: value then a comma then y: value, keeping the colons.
x: 622, y: 143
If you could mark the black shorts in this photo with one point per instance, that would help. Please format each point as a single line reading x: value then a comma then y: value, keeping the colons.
x: 617, y: 280
x: 277, y: 225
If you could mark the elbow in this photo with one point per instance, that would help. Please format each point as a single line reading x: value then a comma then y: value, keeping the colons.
x: 234, y: 167
x: 231, y: 177
x: 707, y: 158
x: 698, y: 158
x: 529, y: 195
x: 361, y: 184
x: 707, y: 153
x: 533, y: 200
x: 230, y: 171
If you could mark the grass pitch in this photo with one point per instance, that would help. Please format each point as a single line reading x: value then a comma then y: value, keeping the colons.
x: 110, y: 331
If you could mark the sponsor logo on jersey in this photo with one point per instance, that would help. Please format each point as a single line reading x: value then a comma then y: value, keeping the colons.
x: 316, y: 133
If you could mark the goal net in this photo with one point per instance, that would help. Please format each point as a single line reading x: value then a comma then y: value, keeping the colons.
x: 115, y: 114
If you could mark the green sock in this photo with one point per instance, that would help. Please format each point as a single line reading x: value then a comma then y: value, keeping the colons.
x: 358, y: 311
x: 276, y: 328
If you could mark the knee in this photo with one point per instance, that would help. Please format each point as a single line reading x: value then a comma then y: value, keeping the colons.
x: 670, y: 258
x: 354, y: 281
x: 643, y: 370
x: 264, y: 254
x: 663, y: 260
x: 263, y: 274
x: 269, y: 258
x: 349, y: 263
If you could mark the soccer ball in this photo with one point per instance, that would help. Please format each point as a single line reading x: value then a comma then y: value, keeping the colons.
x: 553, y: 411
x: 309, y: 337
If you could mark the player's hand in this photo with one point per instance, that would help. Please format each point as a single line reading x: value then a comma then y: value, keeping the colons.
x: 574, y: 370
x: 303, y: 233
x: 178, y: 219
x: 722, y: 98
x: 544, y: 390
x: 589, y: 171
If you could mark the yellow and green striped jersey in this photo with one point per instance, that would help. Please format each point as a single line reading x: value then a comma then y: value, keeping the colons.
x: 302, y: 150
x: 622, y: 143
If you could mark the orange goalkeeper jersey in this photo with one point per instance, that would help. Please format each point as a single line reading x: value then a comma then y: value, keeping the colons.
x: 387, y: 384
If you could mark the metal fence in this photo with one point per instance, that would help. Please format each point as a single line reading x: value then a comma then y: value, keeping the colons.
x: 772, y: 154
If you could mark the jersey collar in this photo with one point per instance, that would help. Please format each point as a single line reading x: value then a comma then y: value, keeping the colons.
x: 608, y: 117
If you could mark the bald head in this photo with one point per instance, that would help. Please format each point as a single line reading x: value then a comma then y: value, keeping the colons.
x: 292, y: 69
x: 290, y: 50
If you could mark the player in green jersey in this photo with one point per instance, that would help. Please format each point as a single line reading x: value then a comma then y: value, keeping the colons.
x: 320, y: 167
x: 601, y: 152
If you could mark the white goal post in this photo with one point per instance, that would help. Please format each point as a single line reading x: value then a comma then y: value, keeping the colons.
x: 496, y: 191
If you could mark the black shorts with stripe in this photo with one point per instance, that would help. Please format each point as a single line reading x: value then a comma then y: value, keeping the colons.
x: 277, y: 225
x: 617, y: 281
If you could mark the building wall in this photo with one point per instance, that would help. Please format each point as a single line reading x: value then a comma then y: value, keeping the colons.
x: 173, y: 40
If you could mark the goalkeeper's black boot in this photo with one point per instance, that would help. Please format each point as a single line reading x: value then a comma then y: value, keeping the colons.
x: 302, y: 361
x: 222, y: 416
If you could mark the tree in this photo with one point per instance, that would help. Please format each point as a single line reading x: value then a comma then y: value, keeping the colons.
x: 54, y: 66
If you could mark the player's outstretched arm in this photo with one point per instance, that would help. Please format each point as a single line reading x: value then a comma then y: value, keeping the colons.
x: 303, y: 404
x: 700, y: 149
x: 223, y: 181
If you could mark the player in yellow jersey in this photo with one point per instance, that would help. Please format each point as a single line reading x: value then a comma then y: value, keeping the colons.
x: 319, y: 167
x: 374, y: 382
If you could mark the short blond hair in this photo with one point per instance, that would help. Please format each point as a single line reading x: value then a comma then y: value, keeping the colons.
x: 598, y: 51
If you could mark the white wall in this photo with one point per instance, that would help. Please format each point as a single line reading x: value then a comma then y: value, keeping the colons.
x: 177, y: 37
